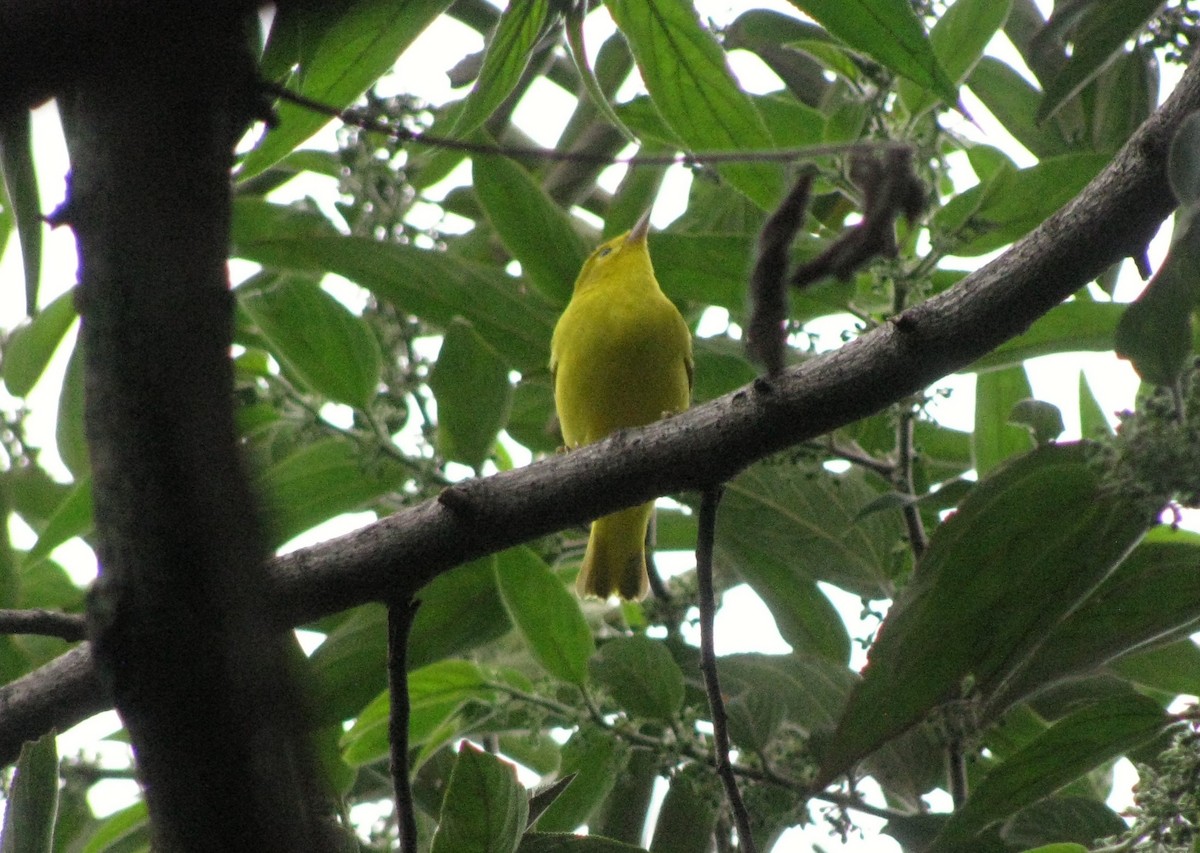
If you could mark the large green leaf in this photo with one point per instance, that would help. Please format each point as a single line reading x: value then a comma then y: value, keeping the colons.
x: 1069, y: 748
x: 641, y: 676
x: 21, y: 190
x: 888, y: 31
x: 485, y: 808
x: 316, y: 338
x: 1014, y: 101
x: 546, y: 614
x: 1025, y: 547
x: 433, y: 285
x: 1076, y: 326
x: 1126, y: 93
x: 71, y: 518
x: 350, y: 667
x: 534, y: 229
x: 1097, y: 37
x: 31, y: 346
x: 806, y: 520
x: 331, y: 52
x: 958, y: 40
x: 1150, y: 598
x: 508, y: 53
x: 470, y: 383
x: 435, y: 693
x: 688, y: 815
x: 596, y: 758
x: 33, y: 799
x: 689, y: 80
x: 459, y: 610
x: 323, y: 480
x: 1013, y: 203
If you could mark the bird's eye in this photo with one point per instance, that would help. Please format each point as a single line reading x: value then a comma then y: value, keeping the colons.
x: 607, y: 250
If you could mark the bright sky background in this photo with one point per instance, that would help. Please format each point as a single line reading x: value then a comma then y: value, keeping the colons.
x: 744, y: 624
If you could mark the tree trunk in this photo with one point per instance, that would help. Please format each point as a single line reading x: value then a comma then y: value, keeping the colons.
x: 177, y: 621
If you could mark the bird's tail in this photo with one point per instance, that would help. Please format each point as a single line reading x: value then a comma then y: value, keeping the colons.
x: 615, y: 561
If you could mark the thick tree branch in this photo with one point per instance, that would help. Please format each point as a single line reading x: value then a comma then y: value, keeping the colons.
x: 1112, y: 218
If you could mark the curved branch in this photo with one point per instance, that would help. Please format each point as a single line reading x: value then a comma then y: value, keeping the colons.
x: 1114, y: 217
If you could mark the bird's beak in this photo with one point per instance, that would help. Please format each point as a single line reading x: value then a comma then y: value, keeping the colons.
x: 641, y: 228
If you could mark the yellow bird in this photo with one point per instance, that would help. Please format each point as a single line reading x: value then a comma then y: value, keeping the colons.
x: 621, y: 356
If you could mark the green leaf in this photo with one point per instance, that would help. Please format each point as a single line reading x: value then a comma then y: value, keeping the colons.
x: 1174, y: 668
x: 473, y: 393
x: 21, y: 188
x: 810, y: 689
x: 707, y: 268
x: 596, y: 91
x: 773, y: 36
x: 689, y: 80
x: 72, y: 517
x: 888, y: 31
x: 623, y: 815
x: 688, y: 816
x: 546, y: 614
x: 562, y: 842
x: 508, y: 52
x: 322, y: 480
x: 958, y: 40
x: 315, y: 337
x: 533, y: 228
x: 1148, y: 599
x: 32, y: 799
x: 596, y: 759
x: 994, y: 438
x: 69, y: 434
x: 1126, y: 94
x: 435, y: 694
x: 1064, y: 847
x: 808, y: 519
x: 1097, y: 38
x: 1014, y: 101
x: 994, y: 214
x: 1071, y: 821
x: 1072, y: 746
x: 1025, y: 547
x: 331, y: 52
x: 485, y: 808
x: 350, y: 668
x: 32, y: 345
x: 435, y: 286
x: 1155, y: 333
x: 1093, y: 420
x: 641, y: 676
x: 1071, y: 327
x: 130, y: 824
x: 460, y: 610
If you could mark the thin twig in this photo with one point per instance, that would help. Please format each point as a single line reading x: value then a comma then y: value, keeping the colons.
x: 708, y: 665
x: 917, y: 539
x: 780, y: 155
x: 400, y: 619
x: 636, y: 737
x: 956, y: 771
x: 47, y: 623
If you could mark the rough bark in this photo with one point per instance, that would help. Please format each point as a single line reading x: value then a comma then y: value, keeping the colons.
x: 175, y: 620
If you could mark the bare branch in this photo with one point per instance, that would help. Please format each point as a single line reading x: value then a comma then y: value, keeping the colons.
x: 47, y: 623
